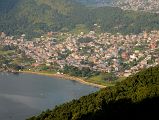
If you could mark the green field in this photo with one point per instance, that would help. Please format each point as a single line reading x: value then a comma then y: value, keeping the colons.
x: 7, y: 52
x: 99, y: 79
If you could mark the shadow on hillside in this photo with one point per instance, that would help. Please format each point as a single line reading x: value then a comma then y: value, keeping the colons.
x: 126, y: 109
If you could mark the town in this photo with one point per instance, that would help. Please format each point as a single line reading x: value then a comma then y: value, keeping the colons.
x: 143, y: 5
x: 120, y: 54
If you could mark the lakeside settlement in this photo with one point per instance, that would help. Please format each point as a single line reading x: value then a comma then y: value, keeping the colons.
x: 122, y: 55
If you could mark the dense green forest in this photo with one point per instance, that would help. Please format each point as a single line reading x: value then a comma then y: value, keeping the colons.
x: 136, y: 96
x: 35, y: 17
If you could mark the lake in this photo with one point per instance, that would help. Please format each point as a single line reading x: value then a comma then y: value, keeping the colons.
x: 24, y: 95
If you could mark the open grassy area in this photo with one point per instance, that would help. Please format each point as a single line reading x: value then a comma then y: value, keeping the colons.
x: 80, y: 28
x: 6, y: 52
x: 40, y: 71
x: 99, y: 80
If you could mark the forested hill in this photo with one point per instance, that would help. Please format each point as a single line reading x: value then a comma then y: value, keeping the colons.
x: 135, y: 97
x: 36, y: 17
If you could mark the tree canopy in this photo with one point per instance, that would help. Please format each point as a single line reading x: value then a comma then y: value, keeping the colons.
x: 136, y: 96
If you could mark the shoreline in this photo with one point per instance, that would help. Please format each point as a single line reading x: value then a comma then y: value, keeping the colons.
x: 65, y: 77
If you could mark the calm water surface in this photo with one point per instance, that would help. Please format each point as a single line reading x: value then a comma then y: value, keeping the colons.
x: 23, y: 95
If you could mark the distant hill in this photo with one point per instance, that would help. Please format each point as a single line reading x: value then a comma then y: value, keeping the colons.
x: 36, y: 17
x: 136, y: 97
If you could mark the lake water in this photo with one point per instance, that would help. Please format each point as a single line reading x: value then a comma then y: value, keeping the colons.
x: 23, y: 95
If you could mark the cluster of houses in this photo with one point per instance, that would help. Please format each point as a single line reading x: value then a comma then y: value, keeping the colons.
x: 145, y: 5
x: 121, y: 54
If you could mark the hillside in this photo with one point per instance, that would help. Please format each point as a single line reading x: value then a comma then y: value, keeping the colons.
x: 7, y: 5
x: 36, y: 17
x: 137, y: 96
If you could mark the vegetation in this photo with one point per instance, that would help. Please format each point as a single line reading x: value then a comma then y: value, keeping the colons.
x: 83, y: 72
x: 85, y: 40
x: 35, y: 17
x: 107, y: 79
x: 136, y: 96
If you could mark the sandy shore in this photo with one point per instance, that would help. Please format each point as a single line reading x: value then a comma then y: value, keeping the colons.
x: 65, y: 77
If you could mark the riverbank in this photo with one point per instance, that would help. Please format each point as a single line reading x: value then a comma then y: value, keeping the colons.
x: 65, y: 77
